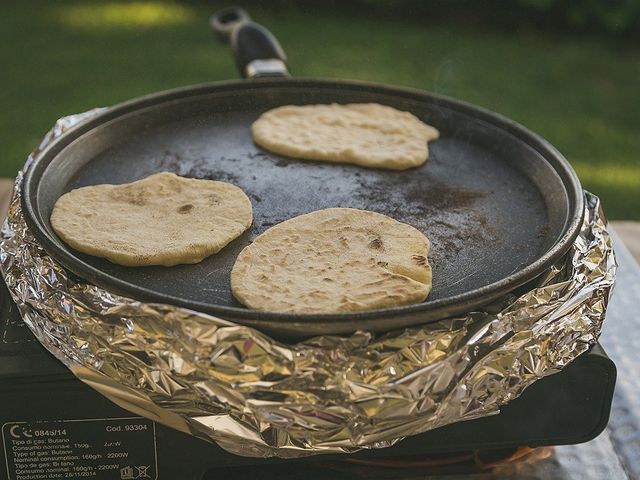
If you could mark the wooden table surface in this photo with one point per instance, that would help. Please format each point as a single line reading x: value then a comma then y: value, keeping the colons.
x: 6, y: 187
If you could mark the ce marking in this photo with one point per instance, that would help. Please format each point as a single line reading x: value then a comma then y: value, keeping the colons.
x: 25, y: 432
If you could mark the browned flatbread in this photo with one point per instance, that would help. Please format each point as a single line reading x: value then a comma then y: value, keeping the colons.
x: 331, y: 261
x: 163, y: 219
x: 366, y: 134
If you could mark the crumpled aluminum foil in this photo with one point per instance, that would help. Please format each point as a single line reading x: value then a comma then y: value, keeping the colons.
x: 255, y: 396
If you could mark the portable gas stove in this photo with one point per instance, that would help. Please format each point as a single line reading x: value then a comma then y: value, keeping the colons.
x: 54, y: 426
x: 47, y: 415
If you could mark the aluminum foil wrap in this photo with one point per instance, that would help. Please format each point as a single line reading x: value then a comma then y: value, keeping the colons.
x: 255, y: 396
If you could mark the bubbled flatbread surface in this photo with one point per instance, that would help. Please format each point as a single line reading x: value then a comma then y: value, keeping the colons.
x: 366, y: 134
x: 331, y: 261
x: 163, y: 219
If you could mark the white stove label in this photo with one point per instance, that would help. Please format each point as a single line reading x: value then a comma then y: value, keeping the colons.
x: 99, y: 449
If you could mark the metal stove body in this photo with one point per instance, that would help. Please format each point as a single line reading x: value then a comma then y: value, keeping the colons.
x: 54, y: 426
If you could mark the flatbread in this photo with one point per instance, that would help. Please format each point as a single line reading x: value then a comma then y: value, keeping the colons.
x: 163, y: 219
x: 331, y: 261
x: 365, y: 134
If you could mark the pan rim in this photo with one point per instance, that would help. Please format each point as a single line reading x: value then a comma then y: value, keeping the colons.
x: 448, y: 306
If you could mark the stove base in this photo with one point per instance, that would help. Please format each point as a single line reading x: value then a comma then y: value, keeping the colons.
x: 54, y: 426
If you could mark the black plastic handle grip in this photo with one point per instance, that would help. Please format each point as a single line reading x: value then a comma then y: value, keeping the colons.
x: 257, y: 52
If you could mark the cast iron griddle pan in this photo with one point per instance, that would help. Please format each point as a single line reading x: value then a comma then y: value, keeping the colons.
x: 498, y: 203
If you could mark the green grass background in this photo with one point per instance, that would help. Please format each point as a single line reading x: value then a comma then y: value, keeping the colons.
x: 580, y: 92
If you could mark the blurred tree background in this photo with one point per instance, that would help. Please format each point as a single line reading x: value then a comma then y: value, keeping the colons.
x: 567, y: 69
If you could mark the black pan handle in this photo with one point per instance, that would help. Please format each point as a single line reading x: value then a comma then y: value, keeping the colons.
x: 257, y: 52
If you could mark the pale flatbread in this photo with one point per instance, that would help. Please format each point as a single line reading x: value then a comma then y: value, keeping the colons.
x: 366, y: 134
x: 163, y: 219
x: 331, y: 261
